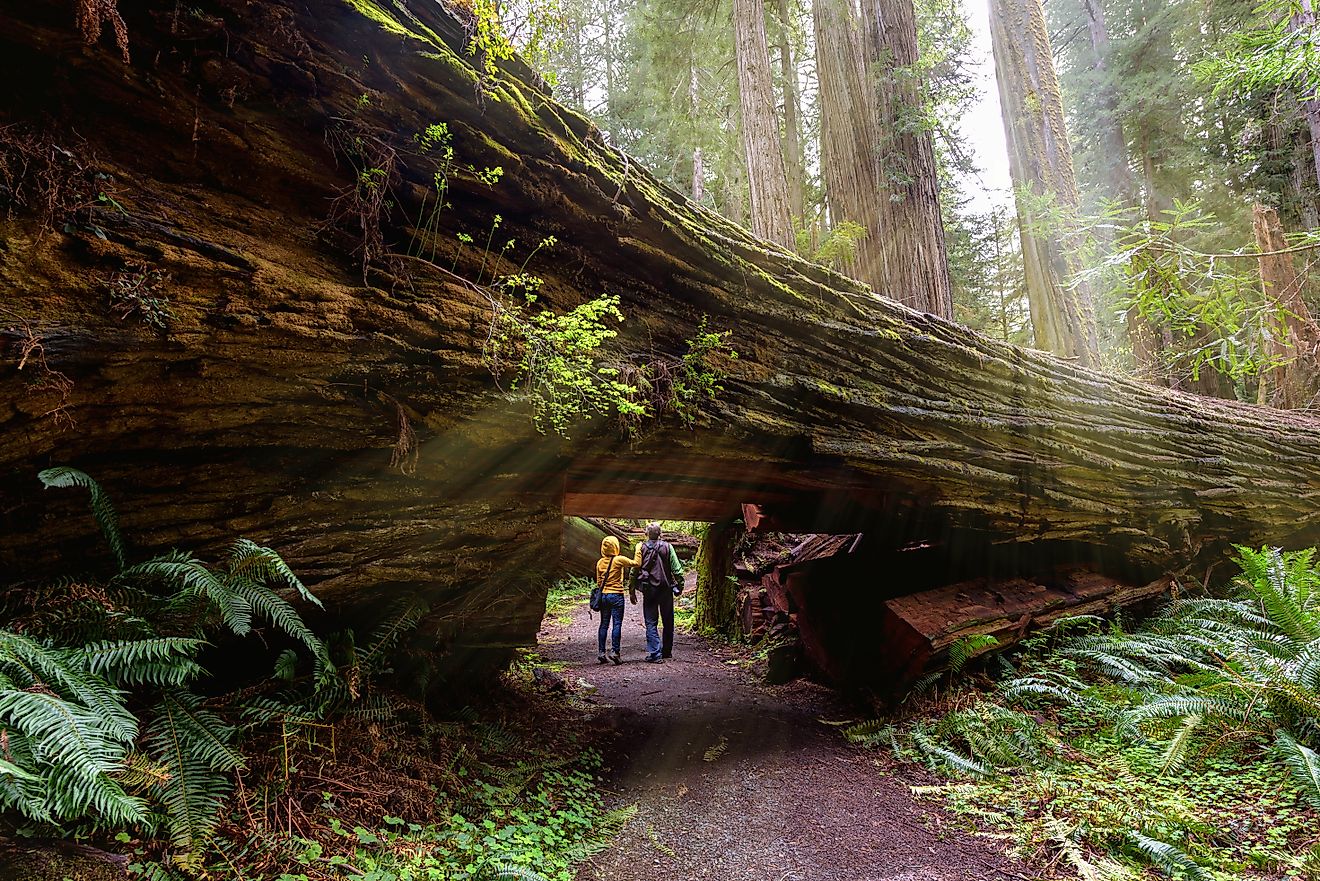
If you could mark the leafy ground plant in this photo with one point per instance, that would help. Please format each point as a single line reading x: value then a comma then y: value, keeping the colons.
x: 102, y: 714
x: 1185, y: 747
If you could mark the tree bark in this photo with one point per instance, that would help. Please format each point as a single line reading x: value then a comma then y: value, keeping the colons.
x: 1040, y: 163
x: 849, y: 165
x: 716, y: 606
x: 1310, y: 101
x: 793, y: 160
x: 767, y: 183
x: 913, y: 257
x: 1297, y: 341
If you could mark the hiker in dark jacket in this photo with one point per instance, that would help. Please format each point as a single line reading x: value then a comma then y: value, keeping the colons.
x: 660, y: 577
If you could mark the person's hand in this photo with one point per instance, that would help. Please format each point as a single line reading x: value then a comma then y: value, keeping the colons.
x: 677, y: 589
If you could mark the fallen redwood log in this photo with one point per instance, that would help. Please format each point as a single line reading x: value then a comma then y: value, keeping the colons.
x: 349, y: 418
x: 917, y: 630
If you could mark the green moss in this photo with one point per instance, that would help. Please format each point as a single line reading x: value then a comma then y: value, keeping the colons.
x: 368, y: 9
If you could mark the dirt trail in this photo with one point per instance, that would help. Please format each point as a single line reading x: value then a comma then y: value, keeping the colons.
x: 740, y: 781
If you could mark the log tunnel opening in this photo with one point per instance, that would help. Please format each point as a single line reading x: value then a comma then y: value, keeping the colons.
x: 873, y: 584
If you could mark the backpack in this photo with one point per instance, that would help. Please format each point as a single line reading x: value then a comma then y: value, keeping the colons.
x: 653, y: 574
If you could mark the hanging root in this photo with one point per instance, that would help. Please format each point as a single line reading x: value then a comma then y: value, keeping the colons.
x: 94, y: 15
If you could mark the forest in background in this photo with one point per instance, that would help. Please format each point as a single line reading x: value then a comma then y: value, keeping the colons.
x: 1157, y: 149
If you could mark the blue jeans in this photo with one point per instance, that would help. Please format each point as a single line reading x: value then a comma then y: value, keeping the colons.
x: 655, y: 611
x: 611, y: 607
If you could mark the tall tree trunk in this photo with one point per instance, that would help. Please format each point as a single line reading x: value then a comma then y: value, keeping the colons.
x: 715, y: 605
x: 794, y: 166
x: 767, y: 183
x: 1305, y: 20
x: 1113, y: 142
x: 698, y: 164
x: 848, y: 136
x: 1293, y: 383
x: 1040, y: 163
x: 607, y: 57
x: 916, y: 265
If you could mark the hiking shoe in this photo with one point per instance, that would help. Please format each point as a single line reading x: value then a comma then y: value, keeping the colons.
x: 666, y: 656
x: 654, y: 659
x: 600, y: 659
x: 614, y: 656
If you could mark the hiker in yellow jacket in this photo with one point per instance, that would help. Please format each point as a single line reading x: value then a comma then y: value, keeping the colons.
x: 610, y: 569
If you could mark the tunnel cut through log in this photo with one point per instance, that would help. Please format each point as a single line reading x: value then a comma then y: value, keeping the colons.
x: 875, y: 607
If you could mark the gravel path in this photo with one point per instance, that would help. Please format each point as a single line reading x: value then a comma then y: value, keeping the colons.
x: 739, y: 781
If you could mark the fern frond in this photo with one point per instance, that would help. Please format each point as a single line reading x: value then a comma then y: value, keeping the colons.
x: 1175, y: 754
x: 193, y: 745
x: 387, y: 635
x: 1303, y: 762
x: 1167, y: 857
x: 938, y: 755
x: 276, y: 610
x: 286, y: 665
x: 192, y: 582
x: 65, y: 671
x: 162, y: 661
x: 251, y: 560
x: 602, y: 836
x: 74, y: 751
x: 515, y: 873
x: 102, y: 510
x: 868, y: 733
x: 965, y: 648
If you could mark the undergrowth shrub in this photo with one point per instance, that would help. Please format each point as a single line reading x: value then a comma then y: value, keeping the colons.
x: 1113, y: 747
x: 100, y: 715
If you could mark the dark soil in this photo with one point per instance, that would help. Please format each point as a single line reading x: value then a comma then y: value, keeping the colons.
x: 738, y: 780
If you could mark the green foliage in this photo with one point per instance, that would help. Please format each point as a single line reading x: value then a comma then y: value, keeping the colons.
x: 1157, y: 739
x: 487, y: 41
x: 838, y: 248
x: 1276, y: 50
x: 555, y: 360
x: 534, y: 820
x: 965, y: 648
x: 1211, y: 305
x: 104, y: 513
x: 138, y: 292
x: 566, y: 595
x: 98, y: 712
x: 700, y: 378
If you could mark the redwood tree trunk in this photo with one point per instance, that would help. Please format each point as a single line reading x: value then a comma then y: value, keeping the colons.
x: 717, y: 589
x: 792, y: 117
x: 911, y: 244
x: 1040, y: 163
x: 1294, y: 382
x: 767, y: 183
x: 849, y: 165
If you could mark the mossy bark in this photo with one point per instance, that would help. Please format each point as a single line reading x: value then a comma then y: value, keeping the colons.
x: 716, y: 609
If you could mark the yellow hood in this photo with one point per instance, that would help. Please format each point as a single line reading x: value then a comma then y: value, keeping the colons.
x: 609, y: 546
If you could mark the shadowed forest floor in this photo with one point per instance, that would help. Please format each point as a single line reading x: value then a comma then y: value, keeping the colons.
x: 734, y: 779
